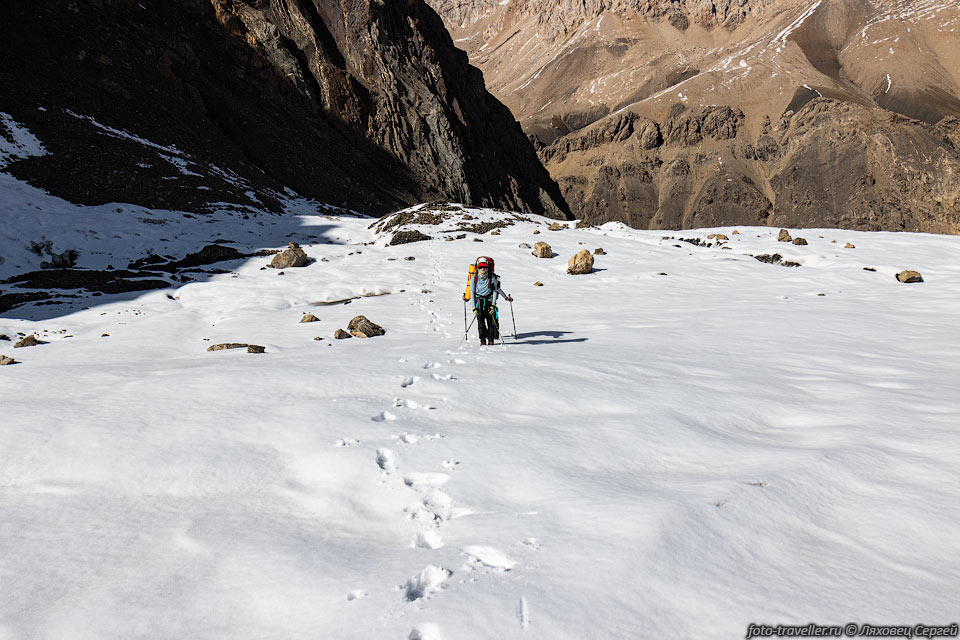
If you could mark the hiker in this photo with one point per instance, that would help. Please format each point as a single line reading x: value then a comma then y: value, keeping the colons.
x: 485, y: 291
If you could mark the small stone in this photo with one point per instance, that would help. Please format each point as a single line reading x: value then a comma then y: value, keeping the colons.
x: 784, y: 236
x: 5, y: 360
x: 581, y: 263
x: 410, y: 258
x: 524, y: 245
x: 849, y: 246
x: 495, y: 232
x: 324, y: 259
x: 799, y: 241
x: 538, y: 284
x: 280, y: 273
x: 834, y: 241
x: 903, y: 276
x: 4, y: 337
x: 869, y: 269
x: 734, y: 233
x: 554, y: 227
x: 477, y: 240
x: 340, y: 334
x: 536, y: 232
x: 599, y: 252
x: 542, y: 250
x: 711, y: 236
x: 662, y: 273
x: 721, y: 237
x: 309, y: 317
x: 255, y: 348
x: 821, y: 294
x: 363, y: 328
x: 448, y: 239
x: 29, y: 341
x: 104, y: 335
x: 318, y: 338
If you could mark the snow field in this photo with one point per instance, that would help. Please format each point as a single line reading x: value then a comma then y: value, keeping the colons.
x: 655, y: 455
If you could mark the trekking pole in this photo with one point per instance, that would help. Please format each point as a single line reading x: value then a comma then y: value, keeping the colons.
x: 514, y: 321
x: 467, y: 331
x: 464, y: 316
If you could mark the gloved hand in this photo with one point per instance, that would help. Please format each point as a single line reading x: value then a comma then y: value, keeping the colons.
x: 474, y: 311
x: 509, y: 299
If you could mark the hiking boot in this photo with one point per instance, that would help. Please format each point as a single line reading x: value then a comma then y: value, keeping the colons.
x: 490, y: 343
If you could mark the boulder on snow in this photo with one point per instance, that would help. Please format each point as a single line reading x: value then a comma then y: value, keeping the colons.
x: 734, y: 233
x: 227, y: 345
x: 255, y: 348
x: 580, y: 263
x: 5, y: 360
x: 711, y: 236
x: 536, y: 232
x: 495, y: 232
x: 599, y: 252
x: 554, y: 226
x: 784, y: 236
x: 721, y: 238
x: 29, y: 341
x: 309, y: 317
x: 340, y: 334
x: 294, y: 256
x: 363, y: 328
x: 538, y: 284
x: 406, y: 237
x: 542, y: 250
x: 909, y: 276
x: 799, y: 241
x: 849, y: 246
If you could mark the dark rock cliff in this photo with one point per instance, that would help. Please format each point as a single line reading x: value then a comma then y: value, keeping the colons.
x: 184, y: 103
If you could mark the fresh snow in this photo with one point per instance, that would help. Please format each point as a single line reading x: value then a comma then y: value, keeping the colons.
x: 683, y: 442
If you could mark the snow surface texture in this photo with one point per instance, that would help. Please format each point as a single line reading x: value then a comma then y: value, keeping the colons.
x: 680, y: 443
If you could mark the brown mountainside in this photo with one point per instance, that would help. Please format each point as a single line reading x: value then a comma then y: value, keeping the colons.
x: 358, y: 103
x: 680, y: 113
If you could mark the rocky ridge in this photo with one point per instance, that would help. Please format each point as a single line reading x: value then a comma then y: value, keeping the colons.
x: 781, y: 112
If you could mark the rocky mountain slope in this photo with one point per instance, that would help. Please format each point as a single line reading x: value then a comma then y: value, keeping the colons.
x: 191, y: 104
x: 691, y: 113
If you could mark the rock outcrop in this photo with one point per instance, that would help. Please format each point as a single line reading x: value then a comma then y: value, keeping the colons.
x: 909, y: 276
x: 682, y: 113
x: 358, y: 103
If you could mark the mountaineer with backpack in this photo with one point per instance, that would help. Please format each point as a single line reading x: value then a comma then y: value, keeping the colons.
x: 483, y: 290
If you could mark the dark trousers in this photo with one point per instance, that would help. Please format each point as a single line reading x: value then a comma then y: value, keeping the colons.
x: 486, y: 320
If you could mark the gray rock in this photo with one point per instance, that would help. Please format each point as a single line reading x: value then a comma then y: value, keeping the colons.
x: 784, y: 236
x: 255, y: 348
x: 599, y: 252
x: 799, y: 241
x: 309, y: 317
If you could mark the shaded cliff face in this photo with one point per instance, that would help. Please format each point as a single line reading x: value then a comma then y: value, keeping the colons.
x: 686, y: 113
x: 188, y: 103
